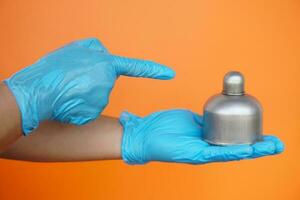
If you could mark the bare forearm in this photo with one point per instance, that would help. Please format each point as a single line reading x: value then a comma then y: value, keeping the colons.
x: 56, y: 142
x: 10, y: 129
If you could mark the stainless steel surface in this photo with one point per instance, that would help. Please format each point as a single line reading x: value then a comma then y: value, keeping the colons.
x: 233, y: 83
x: 232, y: 117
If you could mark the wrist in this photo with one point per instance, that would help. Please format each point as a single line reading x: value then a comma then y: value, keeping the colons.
x: 25, y: 101
x: 132, y: 145
x: 10, y: 128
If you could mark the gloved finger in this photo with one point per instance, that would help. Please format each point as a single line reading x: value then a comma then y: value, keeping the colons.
x: 267, y: 147
x: 278, y: 143
x: 141, y: 68
x: 263, y: 148
x: 225, y: 153
x: 91, y: 43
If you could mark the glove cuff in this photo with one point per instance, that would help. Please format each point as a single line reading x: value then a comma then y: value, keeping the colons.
x: 24, y: 101
x: 132, y: 147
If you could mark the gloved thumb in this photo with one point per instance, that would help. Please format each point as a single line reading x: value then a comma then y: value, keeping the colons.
x: 142, y: 68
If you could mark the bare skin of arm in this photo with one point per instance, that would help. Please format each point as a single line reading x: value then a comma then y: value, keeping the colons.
x: 53, y: 141
x: 56, y: 142
x: 10, y: 128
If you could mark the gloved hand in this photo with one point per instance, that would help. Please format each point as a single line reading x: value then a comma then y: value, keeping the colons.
x: 175, y: 136
x: 73, y: 83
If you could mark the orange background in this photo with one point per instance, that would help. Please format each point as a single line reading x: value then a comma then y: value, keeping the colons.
x: 201, y: 40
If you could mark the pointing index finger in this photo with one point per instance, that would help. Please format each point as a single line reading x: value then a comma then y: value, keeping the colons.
x: 141, y: 68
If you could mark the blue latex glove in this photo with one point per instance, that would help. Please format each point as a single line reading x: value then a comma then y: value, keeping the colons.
x: 175, y: 136
x: 73, y: 83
